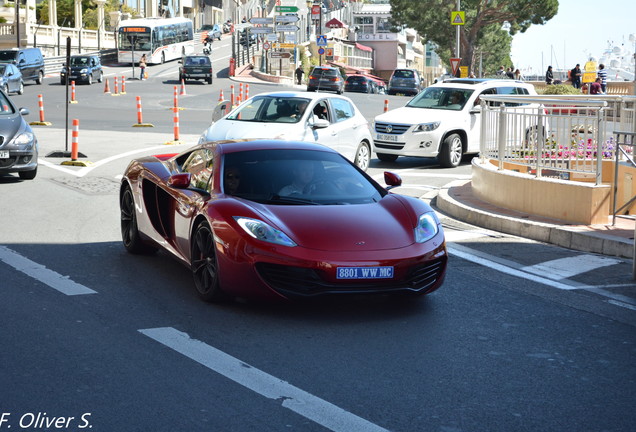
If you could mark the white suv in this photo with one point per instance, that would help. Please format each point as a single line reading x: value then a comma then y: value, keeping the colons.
x: 443, y: 121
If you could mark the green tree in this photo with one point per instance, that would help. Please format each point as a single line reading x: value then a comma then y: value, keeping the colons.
x: 482, y: 33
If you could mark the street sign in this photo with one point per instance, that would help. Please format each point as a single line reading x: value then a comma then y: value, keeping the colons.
x: 458, y: 18
x: 261, y: 20
x: 284, y: 9
x: 321, y: 51
x: 455, y: 65
x: 287, y: 28
x: 286, y: 18
x: 315, y: 12
x: 266, y: 45
x: 261, y: 30
x: 272, y: 37
x: 321, y: 40
x: 329, y: 53
x: 290, y: 37
x: 285, y: 45
x: 278, y: 54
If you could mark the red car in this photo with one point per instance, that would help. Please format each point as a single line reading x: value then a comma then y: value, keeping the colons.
x: 279, y: 219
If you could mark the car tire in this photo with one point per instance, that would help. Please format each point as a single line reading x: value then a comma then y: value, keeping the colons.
x: 100, y: 77
x: 363, y: 156
x: 89, y: 79
x: 204, y: 265
x: 209, y: 80
x: 21, y: 87
x: 28, y: 175
x: 129, y: 230
x: 384, y: 157
x: 451, y: 152
x: 40, y: 78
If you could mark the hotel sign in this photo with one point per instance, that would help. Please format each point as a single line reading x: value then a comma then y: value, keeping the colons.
x: 377, y: 36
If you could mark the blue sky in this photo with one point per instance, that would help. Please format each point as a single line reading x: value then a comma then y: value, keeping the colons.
x: 579, y: 29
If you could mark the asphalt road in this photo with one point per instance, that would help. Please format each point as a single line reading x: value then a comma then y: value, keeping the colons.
x: 522, y: 336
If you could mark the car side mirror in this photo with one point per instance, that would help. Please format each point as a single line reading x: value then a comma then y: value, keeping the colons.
x: 24, y: 111
x: 392, y: 180
x: 476, y: 109
x: 180, y: 181
x: 319, y: 123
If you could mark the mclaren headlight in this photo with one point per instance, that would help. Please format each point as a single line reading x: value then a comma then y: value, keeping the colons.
x: 263, y: 231
x: 427, y: 227
x: 426, y: 127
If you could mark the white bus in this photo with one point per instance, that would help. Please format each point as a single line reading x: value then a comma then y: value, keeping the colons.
x: 161, y: 39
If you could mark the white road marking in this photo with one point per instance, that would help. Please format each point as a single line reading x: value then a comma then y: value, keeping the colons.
x: 564, y: 268
x: 293, y: 398
x: 37, y: 271
x: 85, y: 170
x: 467, y: 254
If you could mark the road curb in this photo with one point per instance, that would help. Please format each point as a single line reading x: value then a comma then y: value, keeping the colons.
x: 539, y: 231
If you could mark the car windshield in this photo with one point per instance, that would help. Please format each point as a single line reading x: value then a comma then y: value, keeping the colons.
x: 324, y: 72
x: 297, y: 177
x: 445, y: 98
x: 356, y: 79
x: 79, y: 61
x: 271, y: 109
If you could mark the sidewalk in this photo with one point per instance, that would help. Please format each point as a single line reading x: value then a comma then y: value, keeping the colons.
x: 459, y: 202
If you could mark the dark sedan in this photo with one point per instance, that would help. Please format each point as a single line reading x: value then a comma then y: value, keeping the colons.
x: 195, y: 67
x: 280, y: 220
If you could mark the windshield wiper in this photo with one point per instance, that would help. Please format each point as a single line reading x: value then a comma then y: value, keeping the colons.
x: 277, y: 199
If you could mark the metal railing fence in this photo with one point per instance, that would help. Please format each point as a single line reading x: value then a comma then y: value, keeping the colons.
x: 554, y: 136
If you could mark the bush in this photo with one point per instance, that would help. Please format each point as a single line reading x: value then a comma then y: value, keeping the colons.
x: 559, y: 89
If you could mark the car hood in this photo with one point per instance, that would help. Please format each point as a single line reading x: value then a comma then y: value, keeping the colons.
x: 230, y: 129
x: 10, y: 127
x: 388, y: 224
x: 407, y: 115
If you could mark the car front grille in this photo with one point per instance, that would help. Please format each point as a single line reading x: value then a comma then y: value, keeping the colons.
x: 391, y: 128
x: 305, y: 282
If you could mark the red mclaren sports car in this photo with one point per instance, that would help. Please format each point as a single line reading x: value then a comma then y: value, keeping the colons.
x: 276, y: 219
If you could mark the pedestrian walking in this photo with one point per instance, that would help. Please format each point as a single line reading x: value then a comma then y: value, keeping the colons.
x: 142, y: 67
x: 549, y: 76
x: 299, y: 74
x: 602, y: 74
x: 575, y: 76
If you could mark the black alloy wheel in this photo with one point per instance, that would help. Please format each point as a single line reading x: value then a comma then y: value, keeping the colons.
x: 204, y: 265
x: 129, y: 231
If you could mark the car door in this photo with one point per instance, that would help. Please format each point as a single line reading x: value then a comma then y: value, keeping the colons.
x: 14, y: 77
x: 199, y: 164
x: 346, y: 127
x: 320, y: 110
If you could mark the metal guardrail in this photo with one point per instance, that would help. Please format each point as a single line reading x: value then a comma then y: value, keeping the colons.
x: 54, y: 64
x: 554, y: 136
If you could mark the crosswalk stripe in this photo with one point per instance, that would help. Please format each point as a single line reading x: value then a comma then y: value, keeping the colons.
x: 564, y: 268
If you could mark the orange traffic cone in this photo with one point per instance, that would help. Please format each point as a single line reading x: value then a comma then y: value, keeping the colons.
x: 106, y: 87
x: 221, y: 96
x: 183, y: 91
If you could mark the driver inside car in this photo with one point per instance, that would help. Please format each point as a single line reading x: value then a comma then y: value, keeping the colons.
x: 303, y: 173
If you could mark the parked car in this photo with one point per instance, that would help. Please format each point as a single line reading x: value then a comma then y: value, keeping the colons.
x: 29, y: 60
x: 359, y: 83
x: 11, y: 79
x: 405, y: 81
x: 18, y: 144
x: 195, y: 67
x: 443, y: 121
x: 83, y: 69
x: 232, y: 214
x: 212, y: 30
x: 330, y: 120
x: 325, y: 78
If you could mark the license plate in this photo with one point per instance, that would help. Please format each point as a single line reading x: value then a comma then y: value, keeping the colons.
x: 4, y: 154
x: 197, y: 70
x: 384, y: 137
x: 384, y: 272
